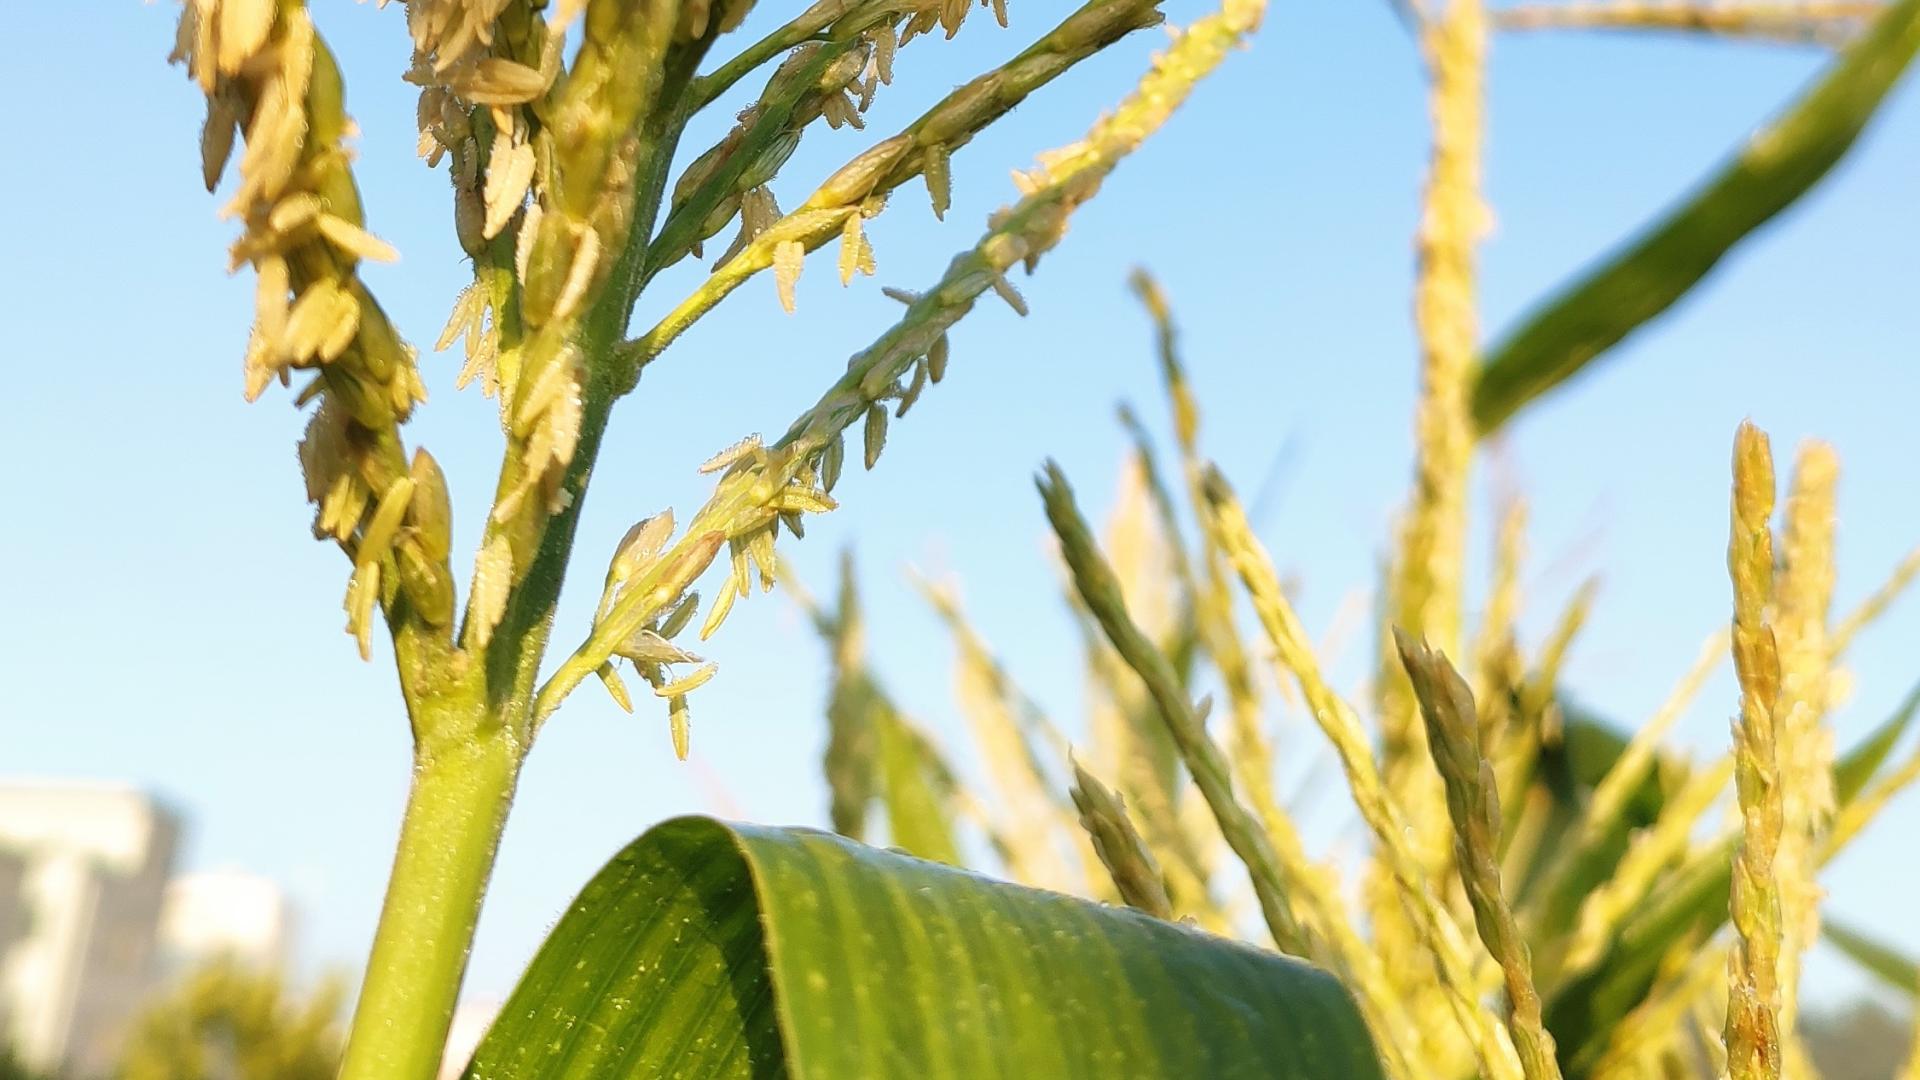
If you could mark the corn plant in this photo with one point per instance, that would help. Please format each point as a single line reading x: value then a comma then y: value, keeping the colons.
x: 560, y: 127
x: 1522, y: 852
x: 718, y: 950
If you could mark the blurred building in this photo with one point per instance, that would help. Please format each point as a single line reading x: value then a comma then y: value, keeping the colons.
x: 82, y: 884
x: 225, y: 913
x: 93, y: 919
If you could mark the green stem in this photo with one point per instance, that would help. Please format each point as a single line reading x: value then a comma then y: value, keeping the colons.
x: 472, y: 731
x: 455, y: 814
x: 810, y: 26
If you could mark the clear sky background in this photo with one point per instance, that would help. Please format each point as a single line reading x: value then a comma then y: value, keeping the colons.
x: 168, y: 623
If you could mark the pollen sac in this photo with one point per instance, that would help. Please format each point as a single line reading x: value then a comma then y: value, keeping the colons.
x: 680, y: 724
x: 788, y: 257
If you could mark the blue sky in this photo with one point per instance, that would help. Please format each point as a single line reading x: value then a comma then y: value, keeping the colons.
x: 168, y: 623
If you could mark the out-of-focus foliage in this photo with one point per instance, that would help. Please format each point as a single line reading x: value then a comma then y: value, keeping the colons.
x: 1862, y: 1040
x: 12, y: 1068
x: 226, y: 1021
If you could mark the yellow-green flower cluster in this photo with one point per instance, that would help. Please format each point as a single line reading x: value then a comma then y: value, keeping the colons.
x: 271, y: 80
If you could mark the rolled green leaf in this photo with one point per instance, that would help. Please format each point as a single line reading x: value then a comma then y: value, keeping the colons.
x: 719, y: 951
x: 1691, y: 901
x: 1875, y: 957
x: 1858, y: 766
x: 1631, y: 288
x: 917, y: 789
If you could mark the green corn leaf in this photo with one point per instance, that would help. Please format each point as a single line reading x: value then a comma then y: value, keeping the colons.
x: 1875, y: 957
x: 1629, y: 289
x: 853, y: 701
x: 1568, y: 771
x: 874, y: 753
x: 1565, y: 774
x: 918, y: 790
x: 852, y: 752
x: 719, y: 951
x: 1858, y: 765
x: 1692, y: 903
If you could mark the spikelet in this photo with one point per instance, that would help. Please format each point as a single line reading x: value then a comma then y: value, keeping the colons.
x: 760, y: 551
x: 430, y: 515
x: 922, y: 20
x: 886, y: 41
x: 647, y: 647
x: 914, y: 386
x: 680, y: 616
x: 494, y: 80
x: 953, y: 13
x: 788, y: 256
x: 293, y: 212
x: 832, y: 460
x: 840, y: 110
x: 935, y: 167
x: 363, y: 591
x: 680, y: 688
x: 242, y: 28
x: 1005, y: 290
x: 742, y: 576
x: 937, y: 359
x: 468, y: 308
x: 758, y: 212
x: 875, y: 433
x: 610, y: 678
x: 523, y: 241
x: 856, y: 254
x: 449, y: 32
x: 216, y: 139
x: 586, y: 260
x: 355, y: 241
x: 363, y: 588
x: 680, y: 726
x: 271, y: 305
x: 492, y: 582
x: 640, y: 547
x: 748, y: 448
x: 509, y: 175
x: 310, y: 322
x: 377, y: 540
x: 546, y: 422
x: 722, y: 604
